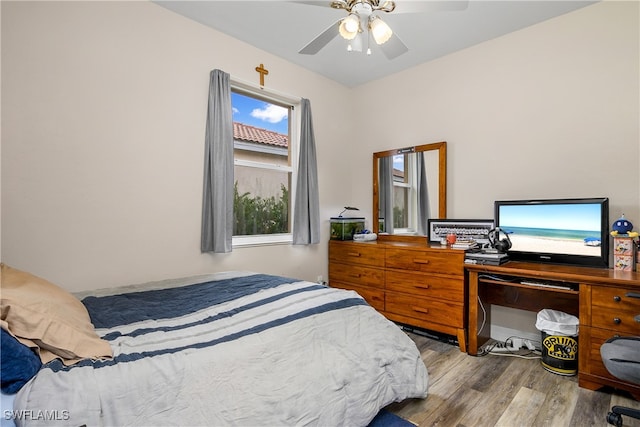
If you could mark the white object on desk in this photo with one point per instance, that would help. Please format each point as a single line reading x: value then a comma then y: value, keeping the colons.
x: 365, y: 237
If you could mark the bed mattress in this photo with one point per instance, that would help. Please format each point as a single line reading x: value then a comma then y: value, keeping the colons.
x: 230, y: 349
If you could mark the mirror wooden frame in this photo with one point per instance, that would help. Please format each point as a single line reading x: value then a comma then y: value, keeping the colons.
x: 441, y: 147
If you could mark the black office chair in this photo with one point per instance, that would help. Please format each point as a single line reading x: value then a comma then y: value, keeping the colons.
x: 621, y: 357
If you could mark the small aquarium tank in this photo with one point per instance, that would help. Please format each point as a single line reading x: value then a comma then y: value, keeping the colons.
x: 345, y: 228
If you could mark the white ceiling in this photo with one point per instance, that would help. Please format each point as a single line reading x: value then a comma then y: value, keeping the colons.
x: 284, y: 27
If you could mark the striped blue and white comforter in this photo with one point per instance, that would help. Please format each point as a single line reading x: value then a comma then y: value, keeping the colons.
x: 249, y: 350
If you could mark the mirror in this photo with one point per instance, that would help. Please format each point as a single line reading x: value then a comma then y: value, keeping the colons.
x: 409, y: 187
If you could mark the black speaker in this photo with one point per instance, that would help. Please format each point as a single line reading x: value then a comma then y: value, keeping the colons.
x: 500, y: 245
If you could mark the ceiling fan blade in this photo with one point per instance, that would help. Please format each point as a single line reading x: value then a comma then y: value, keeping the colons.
x: 394, y: 47
x: 321, y: 41
x: 429, y: 6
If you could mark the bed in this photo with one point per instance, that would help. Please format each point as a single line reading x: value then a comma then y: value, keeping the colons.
x: 224, y: 349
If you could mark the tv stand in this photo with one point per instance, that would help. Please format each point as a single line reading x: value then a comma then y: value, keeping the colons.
x: 604, y: 300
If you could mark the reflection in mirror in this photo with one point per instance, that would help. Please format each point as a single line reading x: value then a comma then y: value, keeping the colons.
x: 409, y: 188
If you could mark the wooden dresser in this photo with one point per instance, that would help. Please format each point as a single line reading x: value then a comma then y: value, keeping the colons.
x: 410, y: 283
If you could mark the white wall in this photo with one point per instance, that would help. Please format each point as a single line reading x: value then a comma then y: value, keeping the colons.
x: 103, y: 110
x: 548, y: 111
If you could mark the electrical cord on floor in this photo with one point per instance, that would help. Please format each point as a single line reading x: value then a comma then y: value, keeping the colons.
x: 484, y: 315
x: 532, y: 355
x: 489, y: 349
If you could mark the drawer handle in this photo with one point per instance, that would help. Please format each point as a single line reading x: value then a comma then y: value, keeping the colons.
x: 617, y: 298
x: 356, y: 254
x: 356, y: 275
x: 421, y: 261
x: 617, y: 320
x: 422, y: 286
x: 633, y: 294
x: 420, y: 310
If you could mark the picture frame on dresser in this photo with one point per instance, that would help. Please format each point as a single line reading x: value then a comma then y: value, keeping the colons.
x: 475, y: 229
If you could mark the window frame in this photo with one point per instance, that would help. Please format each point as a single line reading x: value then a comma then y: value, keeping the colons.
x: 293, y: 104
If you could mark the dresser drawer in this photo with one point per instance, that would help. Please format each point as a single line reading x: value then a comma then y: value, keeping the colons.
x: 425, y: 261
x: 426, y: 285
x: 356, y: 253
x: 425, y: 309
x: 356, y: 274
x: 375, y: 297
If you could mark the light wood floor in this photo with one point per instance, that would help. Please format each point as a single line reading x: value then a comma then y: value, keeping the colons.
x: 502, y: 391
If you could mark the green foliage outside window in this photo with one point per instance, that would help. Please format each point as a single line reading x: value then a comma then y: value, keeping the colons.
x: 254, y: 215
x: 399, y: 218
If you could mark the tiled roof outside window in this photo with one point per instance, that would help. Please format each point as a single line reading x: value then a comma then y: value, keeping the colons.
x: 262, y: 136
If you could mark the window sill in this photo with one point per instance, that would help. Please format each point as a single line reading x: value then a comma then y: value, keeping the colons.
x: 262, y: 240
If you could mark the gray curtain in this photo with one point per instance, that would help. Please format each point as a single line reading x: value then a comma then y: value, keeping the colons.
x: 423, y: 195
x: 217, y: 199
x: 385, y: 168
x: 306, y: 219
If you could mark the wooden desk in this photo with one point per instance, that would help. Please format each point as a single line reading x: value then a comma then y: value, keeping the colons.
x: 603, y: 299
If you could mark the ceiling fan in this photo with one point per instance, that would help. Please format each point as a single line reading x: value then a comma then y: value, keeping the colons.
x: 362, y: 24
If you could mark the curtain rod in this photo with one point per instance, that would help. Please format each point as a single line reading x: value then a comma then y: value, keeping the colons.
x: 268, y: 93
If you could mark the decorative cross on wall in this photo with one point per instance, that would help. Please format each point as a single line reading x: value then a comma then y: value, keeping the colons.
x: 263, y: 72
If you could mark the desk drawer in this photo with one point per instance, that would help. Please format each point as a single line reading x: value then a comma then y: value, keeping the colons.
x: 597, y: 337
x: 356, y: 253
x: 425, y: 261
x: 613, y: 309
x: 356, y: 274
x: 615, y: 298
x: 618, y: 321
x: 425, y: 309
x: 425, y: 285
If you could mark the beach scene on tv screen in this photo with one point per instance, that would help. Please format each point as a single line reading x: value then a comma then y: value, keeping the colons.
x: 558, y: 228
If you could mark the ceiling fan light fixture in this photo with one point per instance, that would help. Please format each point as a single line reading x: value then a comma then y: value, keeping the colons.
x: 349, y: 26
x: 380, y: 31
x: 387, y: 6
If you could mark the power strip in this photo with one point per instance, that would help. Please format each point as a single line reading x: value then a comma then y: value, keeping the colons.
x: 503, y: 348
x: 512, y: 345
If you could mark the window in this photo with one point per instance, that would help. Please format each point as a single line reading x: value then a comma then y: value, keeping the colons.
x: 263, y: 167
x: 404, y: 210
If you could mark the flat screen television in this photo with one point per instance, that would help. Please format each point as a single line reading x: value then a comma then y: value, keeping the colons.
x: 558, y: 231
